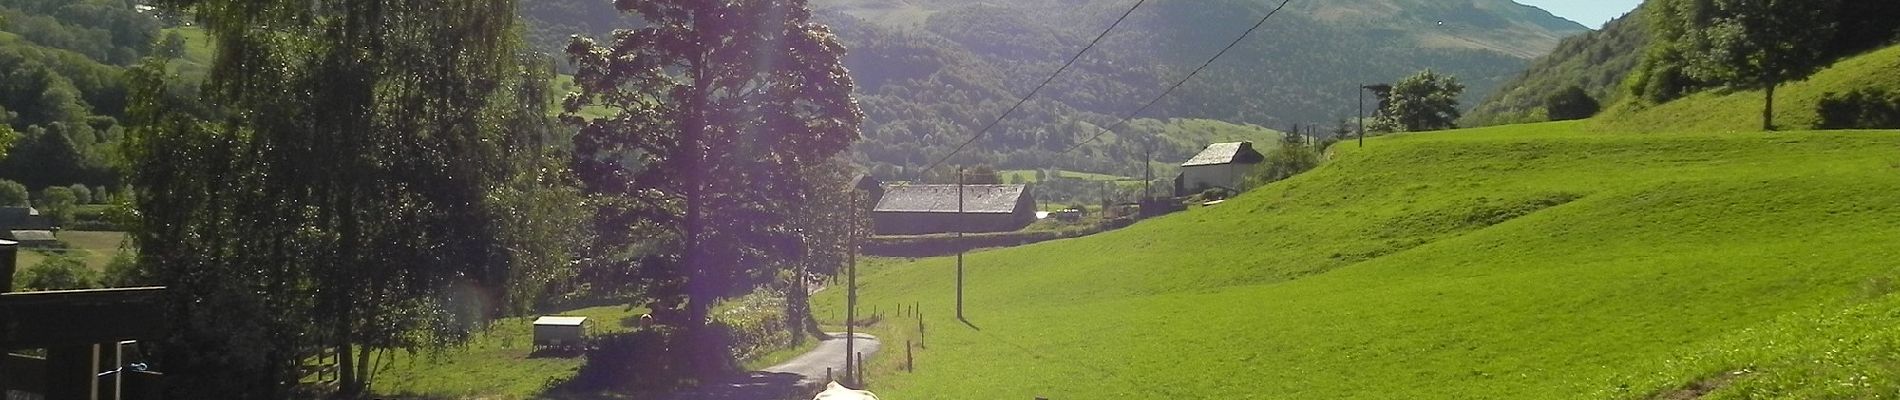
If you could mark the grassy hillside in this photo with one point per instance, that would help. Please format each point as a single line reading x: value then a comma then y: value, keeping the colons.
x: 1735, y: 111
x: 1532, y: 261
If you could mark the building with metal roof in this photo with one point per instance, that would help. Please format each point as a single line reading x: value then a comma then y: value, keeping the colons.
x: 1220, y: 165
x: 916, y: 209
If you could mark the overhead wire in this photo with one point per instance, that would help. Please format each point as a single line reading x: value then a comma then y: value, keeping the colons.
x: 1177, y: 84
x: 1032, y: 92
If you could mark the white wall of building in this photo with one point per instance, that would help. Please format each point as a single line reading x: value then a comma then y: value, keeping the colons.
x: 1219, y: 175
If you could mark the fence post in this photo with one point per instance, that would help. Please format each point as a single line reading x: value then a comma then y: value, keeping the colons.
x: 910, y: 362
x: 861, y: 385
x: 828, y: 379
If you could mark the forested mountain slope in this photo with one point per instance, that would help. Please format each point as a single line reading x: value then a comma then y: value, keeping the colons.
x: 61, y: 90
x: 932, y: 73
x: 1598, y: 62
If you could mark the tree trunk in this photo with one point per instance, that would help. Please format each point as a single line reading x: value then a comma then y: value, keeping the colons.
x: 700, y: 288
x: 1768, y: 109
x: 345, y: 365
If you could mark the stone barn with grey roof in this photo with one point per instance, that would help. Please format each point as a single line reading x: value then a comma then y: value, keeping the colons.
x: 927, y: 209
x: 1221, y: 165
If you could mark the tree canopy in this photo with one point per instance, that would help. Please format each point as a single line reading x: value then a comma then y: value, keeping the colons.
x: 1425, y: 101
x: 716, y: 108
x: 329, y: 186
x: 1760, y: 44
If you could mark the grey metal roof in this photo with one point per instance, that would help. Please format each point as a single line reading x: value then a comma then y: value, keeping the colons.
x: 1226, y: 153
x: 977, y: 199
x: 33, y: 235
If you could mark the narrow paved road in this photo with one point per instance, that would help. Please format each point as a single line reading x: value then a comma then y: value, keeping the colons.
x: 780, y: 381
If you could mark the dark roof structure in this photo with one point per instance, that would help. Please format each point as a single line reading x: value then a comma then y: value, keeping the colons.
x: 977, y: 199
x: 1226, y: 153
x: 17, y: 215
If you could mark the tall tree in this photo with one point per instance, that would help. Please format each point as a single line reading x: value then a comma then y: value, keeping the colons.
x: 717, y: 106
x: 827, y: 225
x: 1425, y: 101
x: 344, y: 191
x: 1760, y: 44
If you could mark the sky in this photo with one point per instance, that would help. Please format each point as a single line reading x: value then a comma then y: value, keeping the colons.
x: 1591, y: 13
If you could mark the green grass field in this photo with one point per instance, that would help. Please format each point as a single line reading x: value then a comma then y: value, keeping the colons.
x: 496, y: 364
x: 1029, y: 176
x: 1537, y: 261
x: 97, y: 248
x: 1563, y: 260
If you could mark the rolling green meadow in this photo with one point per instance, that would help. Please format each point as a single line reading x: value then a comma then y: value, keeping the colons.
x: 1558, y: 260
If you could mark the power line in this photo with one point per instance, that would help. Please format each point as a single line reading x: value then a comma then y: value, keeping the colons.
x: 1177, y: 84
x: 1032, y: 92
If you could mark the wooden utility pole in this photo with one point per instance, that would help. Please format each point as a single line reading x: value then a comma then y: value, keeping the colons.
x: 957, y: 224
x: 1147, y: 171
x: 851, y: 287
x: 1362, y: 116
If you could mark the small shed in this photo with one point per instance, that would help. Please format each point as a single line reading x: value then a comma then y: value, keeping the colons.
x: 560, y: 331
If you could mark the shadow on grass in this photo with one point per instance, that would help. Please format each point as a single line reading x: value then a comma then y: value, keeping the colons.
x: 557, y: 352
x: 967, y: 323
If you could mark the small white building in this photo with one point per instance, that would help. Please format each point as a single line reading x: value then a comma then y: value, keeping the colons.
x: 560, y: 331
x: 1221, y: 165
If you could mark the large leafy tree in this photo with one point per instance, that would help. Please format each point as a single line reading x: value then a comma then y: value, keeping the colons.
x: 716, y: 107
x: 1425, y: 101
x: 1760, y: 44
x: 358, y: 174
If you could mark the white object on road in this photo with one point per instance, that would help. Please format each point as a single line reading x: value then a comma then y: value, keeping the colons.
x: 835, y: 391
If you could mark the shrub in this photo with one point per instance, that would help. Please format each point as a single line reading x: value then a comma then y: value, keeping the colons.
x: 1570, y: 104
x: 59, y: 272
x: 645, y: 361
x: 1283, y: 162
x: 123, y: 272
x: 58, y: 202
x: 12, y: 194
x: 1863, y: 108
x: 81, y: 194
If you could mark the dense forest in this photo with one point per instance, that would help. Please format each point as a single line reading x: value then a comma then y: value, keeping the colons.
x: 1597, y: 62
x: 62, y: 89
x: 931, y: 74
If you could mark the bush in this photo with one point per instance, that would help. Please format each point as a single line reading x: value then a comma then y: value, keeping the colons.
x: 59, y: 272
x: 1863, y: 108
x: 12, y: 194
x: 81, y: 194
x: 648, y: 361
x: 58, y: 202
x: 123, y: 272
x: 1572, y: 103
x: 1282, y: 163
